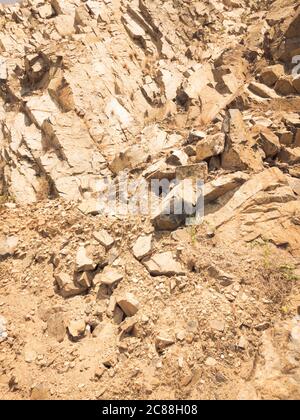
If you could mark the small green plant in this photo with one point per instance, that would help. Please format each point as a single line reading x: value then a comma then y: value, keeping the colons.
x: 288, y: 272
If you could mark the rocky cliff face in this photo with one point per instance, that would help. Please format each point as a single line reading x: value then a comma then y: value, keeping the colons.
x: 90, y: 90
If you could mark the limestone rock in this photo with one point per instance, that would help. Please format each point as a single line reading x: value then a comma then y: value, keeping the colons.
x: 162, y: 342
x: 76, y: 329
x: 104, y: 238
x: 3, y: 331
x: 177, y: 158
x: 66, y: 285
x: 271, y: 74
x: 178, y: 205
x: 240, y: 152
x: 263, y: 181
x: 210, y: 146
x: 163, y: 264
x: 284, y: 86
x: 268, y: 141
x: 262, y: 90
x: 142, y: 247
x: 8, y: 245
x: 111, y: 276
x: 289, y: 155
x: 223, y: 184
x: 56, y: 326
x: 129, y: 159
x: 83, y: 262
x: 197, y: 172
x: 128, y: 303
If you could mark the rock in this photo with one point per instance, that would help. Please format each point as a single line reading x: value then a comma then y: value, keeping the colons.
x: 292, y: 119
x: 90, y: 206
x: 56, y: 326
x: 266, y: 180
x: 210, y: 146
x: 225, y: 279
x: 240, y: 152
x: 40, y: 392
x: 178, y: 205
x: 129, y: 159
x: 83, y: 262
x: 271, y: 74
x: 77, y: 329
x: 284, y: 86
x: 285, y: 137
x: 84, y: 280
x: 164, y: 264
x: 30, y: 354
x: 45, y: 11
x: 296, y: 84
x: 222, y: 185
x: 195, y: 136
x: 243, y: 343
x: 128, y: 303
x: 289, y: 155
x: 64, y: 24
x: 294, y: 183
x: 197, y: 171
x: 217, y: 325
x: 3, y: 69
x: 295, y: 171
x: 111, y: 276
x: 211, y: 362
x: 177, y: 158
x: 142, y: 247
x: 262, y: 90
x: 297, y: 138
x: 104, y: 238
x: 3, y: 332
x: 162, y: 342
x: 8, y: 245
x: 268, y: 141
x: 66, y: 286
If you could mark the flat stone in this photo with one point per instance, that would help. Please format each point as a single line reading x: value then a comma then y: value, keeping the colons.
x: 142, y: 247
x: 56, y: 326
x: 104, y: 238
x: 290, y: 155
x: 197, y: 171
x: 111, y: 276
x: 268, y: 140
x: 164, y: 264
x: 262, y: 90
x: 162, y: 342
x: 217, y: 325
x: 223, y: 184
x: 128, y: 303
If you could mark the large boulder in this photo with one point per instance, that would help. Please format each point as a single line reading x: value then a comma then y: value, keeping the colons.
x: 240, y: 151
